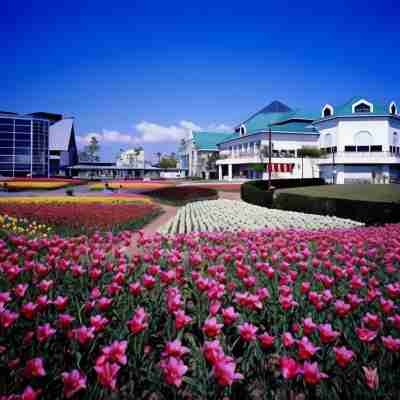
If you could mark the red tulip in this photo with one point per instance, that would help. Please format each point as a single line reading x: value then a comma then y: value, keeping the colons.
x: 115, y: 352
x: 44, y: 332
x: 175, y: 349
x: 211, y: 327
x: 139, y: 321
x: 181, y: 319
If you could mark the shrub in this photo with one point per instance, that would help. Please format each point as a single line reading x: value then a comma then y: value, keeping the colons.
x: 369, y: 212
x: 183, y: 194
x: 257, y: 192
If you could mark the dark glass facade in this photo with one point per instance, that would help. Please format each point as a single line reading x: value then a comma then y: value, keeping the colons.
x: 24, y: 146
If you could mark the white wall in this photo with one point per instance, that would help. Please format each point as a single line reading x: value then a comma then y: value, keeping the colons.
x: 344, y: 130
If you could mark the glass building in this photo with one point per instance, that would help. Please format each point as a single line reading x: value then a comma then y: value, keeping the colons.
x: 24, y: 145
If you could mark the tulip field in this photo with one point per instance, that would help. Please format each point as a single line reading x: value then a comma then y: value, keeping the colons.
x: 228, y: 215
x: 267, y: 314
x: 79, y: 215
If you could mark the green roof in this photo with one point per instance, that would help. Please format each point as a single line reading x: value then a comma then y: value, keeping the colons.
x: 347, y: 108
x: 209, y: 140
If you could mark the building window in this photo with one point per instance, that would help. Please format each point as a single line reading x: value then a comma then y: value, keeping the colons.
x: 242, y: 130
x: 350, y: 148
x: 376, y: 148
x: 392, y: 108
x: 362, y: 108
x: 327, y: 111
x: 363, y: 148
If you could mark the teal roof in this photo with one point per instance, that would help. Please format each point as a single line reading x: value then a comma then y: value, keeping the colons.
x: 295, y: 127
x: 209, y: 140
x: 274, y: 113
x: 347, y: 108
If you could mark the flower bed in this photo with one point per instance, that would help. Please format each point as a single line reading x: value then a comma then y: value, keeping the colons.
x: 224, y: 187
x: 139, y: 186
x: 181, y: 195
x: 230, y: 215
x: 313, y: 314
x: 70, y: 216
x: 18, y: 184
x: 22, y: 226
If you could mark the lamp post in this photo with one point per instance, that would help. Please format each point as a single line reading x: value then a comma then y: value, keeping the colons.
x: 333, y: 166
x: 269, y: 156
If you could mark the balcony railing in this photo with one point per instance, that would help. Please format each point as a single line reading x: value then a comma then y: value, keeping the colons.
x: 362, y: 154
x: 275, y: 154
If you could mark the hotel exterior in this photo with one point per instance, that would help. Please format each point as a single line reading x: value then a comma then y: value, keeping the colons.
x: 358, y: 141
x: 38, y: 144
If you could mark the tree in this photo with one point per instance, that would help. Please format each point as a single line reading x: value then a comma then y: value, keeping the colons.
x: 168, y: 162
x: 90, y: 152
x: 258, y: 167
x: 310, y: 152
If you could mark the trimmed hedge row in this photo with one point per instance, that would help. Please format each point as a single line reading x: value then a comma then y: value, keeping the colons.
x: 256, y: 192
x: 181, y: 195
x: 369, y: 212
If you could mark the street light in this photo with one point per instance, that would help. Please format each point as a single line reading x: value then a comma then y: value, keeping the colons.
x: 333, y: 166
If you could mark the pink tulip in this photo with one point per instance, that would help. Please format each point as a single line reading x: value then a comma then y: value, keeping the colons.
x: 266, y: 340
x: 34, y: 367
x: 343, y: 356
x: 224, y: 371
x: 139, y: 321
x: 371, y: 377
x: 288, y: 340
x: 289, y: 367
x: 327, y: 334
x: 107, y: 374
x: 229, y: 315
x: 174, y: 369
x: 306, y: 348
x: 74, y: 382
x: 175, y: 349
x: 366, y: 335
x: 312, y: 374
x: 44, y: 332
x: 115, y: 352
x: 181, y: 319
x: 211, y: 327
x: 390, y: 343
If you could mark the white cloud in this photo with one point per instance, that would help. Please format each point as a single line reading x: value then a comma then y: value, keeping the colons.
x: 150, y: 132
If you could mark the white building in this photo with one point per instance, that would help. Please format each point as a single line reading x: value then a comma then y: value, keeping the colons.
x: 133, y: 158
x: 360, y: 139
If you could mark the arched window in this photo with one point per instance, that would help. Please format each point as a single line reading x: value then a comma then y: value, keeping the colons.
x: 362, y: 108
x: 363, y: 140
x: 242, y: 130
x: 392, y: 108
x: 327, y: 111
x: 395, y: 139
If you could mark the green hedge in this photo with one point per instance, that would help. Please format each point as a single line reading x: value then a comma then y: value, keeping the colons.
x: 369, y: 212
x: 256, y: 192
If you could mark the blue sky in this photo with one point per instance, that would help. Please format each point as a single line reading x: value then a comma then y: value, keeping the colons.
x: 145, y: 72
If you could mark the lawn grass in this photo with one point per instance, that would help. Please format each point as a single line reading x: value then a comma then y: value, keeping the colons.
x: 361, y: 192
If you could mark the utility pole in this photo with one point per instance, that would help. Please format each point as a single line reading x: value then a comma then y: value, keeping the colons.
x: 269, y: 157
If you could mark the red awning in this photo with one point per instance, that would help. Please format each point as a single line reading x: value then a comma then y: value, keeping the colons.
x: 280, y: 167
